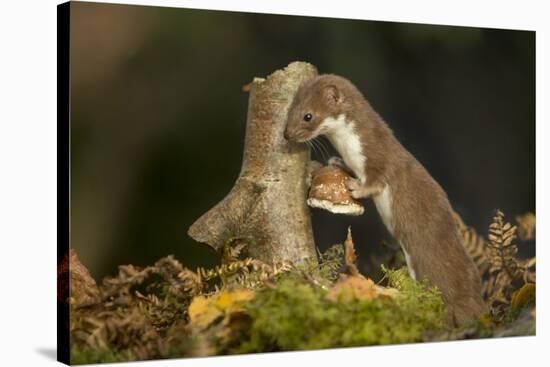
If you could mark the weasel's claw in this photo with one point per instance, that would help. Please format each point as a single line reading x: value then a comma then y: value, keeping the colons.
x: 356, y: 189
x: 312, y: 166
x: 353, y: 184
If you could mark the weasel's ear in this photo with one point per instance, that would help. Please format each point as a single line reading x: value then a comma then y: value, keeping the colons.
x: 332, y: 95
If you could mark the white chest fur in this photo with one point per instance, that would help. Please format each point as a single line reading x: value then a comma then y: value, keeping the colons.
x: 383, y: 202
x: 346, y: 141
x: 412, y: 273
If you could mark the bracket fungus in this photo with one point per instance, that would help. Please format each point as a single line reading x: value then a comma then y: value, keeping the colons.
x: 329, y: 191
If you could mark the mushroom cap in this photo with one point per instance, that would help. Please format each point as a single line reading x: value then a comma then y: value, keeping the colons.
x: 329, y: 191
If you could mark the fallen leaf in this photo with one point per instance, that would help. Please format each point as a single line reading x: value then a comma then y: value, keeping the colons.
x: 523, y: 295
x: 233, y: 301
x: 357, y: 287
x: 203, y: 311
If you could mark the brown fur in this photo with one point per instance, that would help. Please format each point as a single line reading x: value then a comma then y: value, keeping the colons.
x: 422, y: 217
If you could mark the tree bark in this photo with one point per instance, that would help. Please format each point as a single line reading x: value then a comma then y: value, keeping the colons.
x: 266, y: 208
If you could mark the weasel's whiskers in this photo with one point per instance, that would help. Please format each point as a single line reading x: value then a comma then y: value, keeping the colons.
x: 319, y: 142
x: 318, y: 149
x: 311, y: 147
x: 324, y: 142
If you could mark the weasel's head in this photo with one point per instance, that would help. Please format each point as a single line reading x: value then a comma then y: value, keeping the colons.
x: 319, y: 100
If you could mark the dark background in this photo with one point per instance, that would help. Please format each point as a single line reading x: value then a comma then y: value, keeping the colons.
x: 158, y: 118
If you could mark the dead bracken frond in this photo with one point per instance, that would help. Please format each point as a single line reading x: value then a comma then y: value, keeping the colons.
x: 496, y: 257
x: 332, y: 261
x: 501, y: 249
x: 505, y: 269
x: 529, y: 269
x: 474, y: 243
x: 167, y: 278
x: 233, y: 249
x: 247, y: 273
x: 526, y: 226
x: 238, y: 272
x: 136, y: 308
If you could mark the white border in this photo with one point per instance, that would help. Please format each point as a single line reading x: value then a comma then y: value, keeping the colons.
x: 28, y: 180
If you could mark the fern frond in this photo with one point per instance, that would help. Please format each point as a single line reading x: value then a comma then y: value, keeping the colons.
x: 500, y: 248
x: 506, y: 271
x: 526, y: 226
x: 475, y: 245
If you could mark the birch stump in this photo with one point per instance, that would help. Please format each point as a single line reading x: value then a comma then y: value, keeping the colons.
x: 266, y: 208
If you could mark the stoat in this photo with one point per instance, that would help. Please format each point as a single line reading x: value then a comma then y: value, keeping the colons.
x: 412, y: 205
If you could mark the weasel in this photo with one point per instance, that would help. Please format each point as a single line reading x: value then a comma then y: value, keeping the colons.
x: 412, y: 205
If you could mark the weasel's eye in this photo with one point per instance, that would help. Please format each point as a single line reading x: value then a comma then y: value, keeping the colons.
x: 308, y: 117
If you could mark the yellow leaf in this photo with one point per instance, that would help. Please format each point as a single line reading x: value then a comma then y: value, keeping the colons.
x: 232, y: 301
x: 202, y: 312
x: 523, y: 295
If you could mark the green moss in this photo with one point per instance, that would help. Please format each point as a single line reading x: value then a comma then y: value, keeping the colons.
x: 295, y: 315
x: 89, y: 356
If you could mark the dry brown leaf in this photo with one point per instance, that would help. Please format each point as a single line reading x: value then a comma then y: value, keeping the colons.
x: 349, y: 254
x: 83, y: 288
x: 357, y: 287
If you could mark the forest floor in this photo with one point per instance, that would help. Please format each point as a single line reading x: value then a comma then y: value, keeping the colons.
x: 242, y: 306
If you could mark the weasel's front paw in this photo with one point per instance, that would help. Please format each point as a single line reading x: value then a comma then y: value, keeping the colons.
x: 312, y: 166
x: 356, y: 188
x: 337, y: 161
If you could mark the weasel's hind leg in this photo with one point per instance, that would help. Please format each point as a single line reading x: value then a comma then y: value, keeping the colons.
x: 464, y: 311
